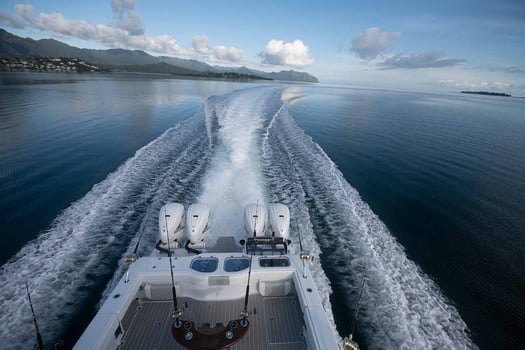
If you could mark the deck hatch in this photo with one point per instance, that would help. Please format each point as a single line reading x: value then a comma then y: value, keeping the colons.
x: 274, y: 262
x: 204, y: 264
x: 236, y: 264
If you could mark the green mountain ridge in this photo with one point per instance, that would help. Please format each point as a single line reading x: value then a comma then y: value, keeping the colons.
x: 12, y: 46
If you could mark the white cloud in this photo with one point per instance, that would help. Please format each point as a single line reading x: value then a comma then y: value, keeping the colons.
x: 111, y: 36
x: 131, y: 23
x: 127, y: 18
x: 295, y: 54
x: 26, y: 12
x: 434, y: 59
x: 202, y: 48
x: 228, y: 54
x: 120, y: 6
x: 201, y: 44
x: 127, y: 32
x: 10, y: 21
x: 373, y: 42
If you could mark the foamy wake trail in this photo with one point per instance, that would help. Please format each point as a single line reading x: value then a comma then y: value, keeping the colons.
x: 234, y: 178
x: 78, y: 254
x: 402, y: 308
x: 239, y: 125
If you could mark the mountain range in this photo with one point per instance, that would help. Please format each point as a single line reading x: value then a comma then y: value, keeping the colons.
x: 121, y: 59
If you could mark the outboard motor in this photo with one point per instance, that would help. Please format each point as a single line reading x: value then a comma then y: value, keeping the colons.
x: 279, y: 217
x: 198, y: 223
x: 171, y: 225
x: 255, y: 218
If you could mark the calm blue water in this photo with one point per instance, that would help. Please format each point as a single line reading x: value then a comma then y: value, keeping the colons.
x: 446, y: 174
x: 62, y: 134
x: 420, y: 194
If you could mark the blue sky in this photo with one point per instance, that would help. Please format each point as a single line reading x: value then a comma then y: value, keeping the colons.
x: 417, y: 45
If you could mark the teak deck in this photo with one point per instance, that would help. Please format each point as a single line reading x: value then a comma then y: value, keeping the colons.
x: 275, y: 322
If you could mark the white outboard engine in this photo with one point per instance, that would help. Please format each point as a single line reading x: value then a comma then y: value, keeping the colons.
x: 279, y: 217
x: 255, y: 220
x: 171, y: 225
x: 198, y: 223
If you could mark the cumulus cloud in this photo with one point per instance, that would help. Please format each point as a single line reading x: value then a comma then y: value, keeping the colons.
x: 228, y: 54
x: 113, y: 36
x: 126, y: 32
x: 26, y: 12
x: 202, y: 48
x: 434, y: 59
x: 373, y: 42
x: 120, y: 6
x: 131, y: 23
x: 201, y: 44
x: 126, y: 17
x: 10, y: 21
x: 295, y: 54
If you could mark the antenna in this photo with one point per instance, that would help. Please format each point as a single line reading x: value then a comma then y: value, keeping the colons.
x: 38, y: 335
x: 176, y: 312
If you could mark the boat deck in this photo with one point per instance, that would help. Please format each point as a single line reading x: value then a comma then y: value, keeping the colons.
x: 275, y: 322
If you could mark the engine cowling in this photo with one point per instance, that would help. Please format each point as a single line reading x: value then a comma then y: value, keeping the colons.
x: 255, y: 218
x: 171, y: 225
x: 279, y: 220
x: 198, y: 223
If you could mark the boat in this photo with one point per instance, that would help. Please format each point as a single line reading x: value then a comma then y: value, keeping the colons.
x: 250, y: 294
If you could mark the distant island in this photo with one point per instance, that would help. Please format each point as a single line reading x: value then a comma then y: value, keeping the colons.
x: 489, y: 93
x: 49, y: 55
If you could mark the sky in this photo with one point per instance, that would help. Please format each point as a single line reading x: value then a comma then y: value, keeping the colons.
x: 446, y: 45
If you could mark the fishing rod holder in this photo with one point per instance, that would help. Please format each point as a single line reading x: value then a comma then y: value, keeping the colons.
x: 130, y: 259
x: 176, y: 314
x: 349, y: 344
x: 305, y: 255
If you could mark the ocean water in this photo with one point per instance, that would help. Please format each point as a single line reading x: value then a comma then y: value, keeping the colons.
x: 446, y: 174
x: 420, y: 195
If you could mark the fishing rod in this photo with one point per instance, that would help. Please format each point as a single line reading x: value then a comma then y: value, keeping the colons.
x: 38, y: 335
x: 303, y: 254
x: 133, y: 257
x: 357, y: 309
x: 348, y: 342
x: 300, y: 241
x: 176, y: 312
x: 141, y: 234
x: 244, y: 312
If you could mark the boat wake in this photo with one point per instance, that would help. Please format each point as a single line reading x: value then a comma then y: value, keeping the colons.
x: 402, y: 308
x: 68, y: 266
x: 241, y: 148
